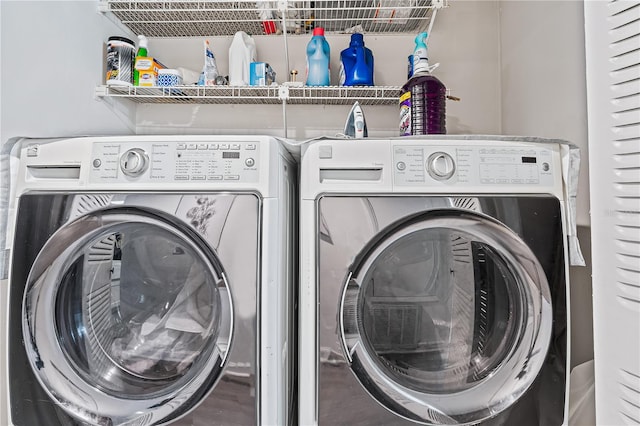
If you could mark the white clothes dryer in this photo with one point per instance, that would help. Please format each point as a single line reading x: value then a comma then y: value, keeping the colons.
x: 433, y: 283
x: 151, y: 282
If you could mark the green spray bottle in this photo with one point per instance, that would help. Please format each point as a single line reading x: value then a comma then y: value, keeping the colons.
x: 143, y: 45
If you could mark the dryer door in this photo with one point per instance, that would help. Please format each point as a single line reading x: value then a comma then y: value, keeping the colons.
x: 446, y: 317
x: 127, y: 317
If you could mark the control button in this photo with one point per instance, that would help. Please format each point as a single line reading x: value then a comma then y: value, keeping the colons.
x: 250, y: 162
x: 97, y: 163
x: 213, y: 146
x: 32, y: 151
x: 401, y: 165
x: 251, y: 147
x: 215, y: 177
x: 546, y: 167
x: 224, y: 146
x: 198, y: 177
x: 202, y: 146
x: 325, y: 152
x: 134, y: 162
x: 182, y: 146
x: 441, y: 166
x: 181, y: 177
x: 192, y: 146
x: 232, y: 177
x: 235, y: 146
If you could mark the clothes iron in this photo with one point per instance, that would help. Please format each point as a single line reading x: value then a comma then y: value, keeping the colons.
x: 356, y: 125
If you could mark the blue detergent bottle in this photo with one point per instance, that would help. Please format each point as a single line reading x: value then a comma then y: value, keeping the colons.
x: 356, y: 63
x: 318, y: 54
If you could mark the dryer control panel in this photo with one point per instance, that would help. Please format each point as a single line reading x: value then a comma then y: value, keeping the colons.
x: 236, y: 161
x: 472, y: 165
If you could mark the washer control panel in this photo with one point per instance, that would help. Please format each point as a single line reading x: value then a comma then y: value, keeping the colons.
x: 175, y: 161
x: 473, y: 165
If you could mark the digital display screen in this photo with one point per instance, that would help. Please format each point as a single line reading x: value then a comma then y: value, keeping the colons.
x: 230, y: 155
x: 530, y: 160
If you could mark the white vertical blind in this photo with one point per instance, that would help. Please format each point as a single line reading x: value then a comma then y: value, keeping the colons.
x: 613, y: 93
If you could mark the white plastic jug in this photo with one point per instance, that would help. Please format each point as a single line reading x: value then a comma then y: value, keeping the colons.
x: 241, y: 53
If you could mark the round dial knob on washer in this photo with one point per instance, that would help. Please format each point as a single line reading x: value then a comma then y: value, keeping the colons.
x: 134, y: 162
x: 441, y: 166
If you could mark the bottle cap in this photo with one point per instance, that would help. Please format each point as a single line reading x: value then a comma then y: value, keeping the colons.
x: 143, y: 42
x: 357, y: 38
x: 319, y: 31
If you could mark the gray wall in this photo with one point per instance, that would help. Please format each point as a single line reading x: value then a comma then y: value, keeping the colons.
x: 51, y: 59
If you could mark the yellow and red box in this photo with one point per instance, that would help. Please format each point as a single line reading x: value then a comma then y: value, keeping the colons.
x: 147, y: 68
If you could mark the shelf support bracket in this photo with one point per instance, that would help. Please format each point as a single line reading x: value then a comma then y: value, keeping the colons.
x: 101, y: 92
x: 282, y: 8
x: 103, y: 6
x: 283, y: 93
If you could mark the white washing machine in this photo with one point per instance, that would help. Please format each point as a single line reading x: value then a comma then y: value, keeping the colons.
x: 151, y: 282
x: 434, y: 283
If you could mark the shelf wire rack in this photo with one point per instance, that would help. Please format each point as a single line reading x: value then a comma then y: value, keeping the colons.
x: 258, y: 95
x: 193, y: 18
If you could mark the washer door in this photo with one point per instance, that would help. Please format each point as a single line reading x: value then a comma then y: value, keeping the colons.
x: 446, y: 317
x: 127, y: 317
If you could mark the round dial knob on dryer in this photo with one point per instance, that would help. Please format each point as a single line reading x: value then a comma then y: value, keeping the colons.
x: 441, y: 166
x: 134, y: 162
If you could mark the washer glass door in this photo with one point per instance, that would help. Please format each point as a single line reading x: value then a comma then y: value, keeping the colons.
x: 128, y: 317
x: 446, y: 317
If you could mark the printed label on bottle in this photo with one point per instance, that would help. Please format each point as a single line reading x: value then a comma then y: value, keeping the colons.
x: 343, y: 76
x: 405, y: 114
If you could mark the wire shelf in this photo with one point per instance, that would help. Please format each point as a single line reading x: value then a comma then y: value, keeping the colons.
x: 193, y: 18
x: 337, y: 95
x: 258, y: 95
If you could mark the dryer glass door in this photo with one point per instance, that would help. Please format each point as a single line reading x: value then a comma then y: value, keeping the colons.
x: 128, y: 317
x: 446, y: 317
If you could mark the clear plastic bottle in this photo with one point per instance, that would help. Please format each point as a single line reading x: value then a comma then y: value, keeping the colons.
x: 428, y: 96
x: 318, y: 54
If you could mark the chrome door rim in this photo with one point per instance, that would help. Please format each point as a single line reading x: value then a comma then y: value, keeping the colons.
x: 520, y: 368
x: 51, y: 366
